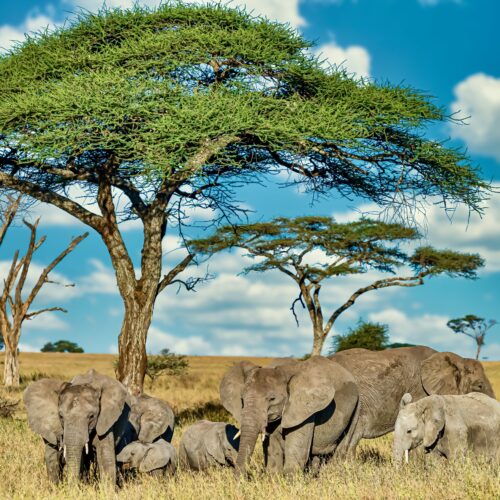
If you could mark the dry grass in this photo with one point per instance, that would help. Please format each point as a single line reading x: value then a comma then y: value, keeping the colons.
x: 194, y: 396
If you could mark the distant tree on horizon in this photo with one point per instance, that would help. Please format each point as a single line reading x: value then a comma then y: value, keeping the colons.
x: 366, y: 335
x: 474, y: 327
x: 62, y: 346
x: 291, y: 246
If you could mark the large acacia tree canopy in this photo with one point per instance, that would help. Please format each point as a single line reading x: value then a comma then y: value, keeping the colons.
x: 193, y: 93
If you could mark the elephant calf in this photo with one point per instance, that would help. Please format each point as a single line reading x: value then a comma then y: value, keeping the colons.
x: 157, y: 458
x: 448, y: 425
x: 206, y: 444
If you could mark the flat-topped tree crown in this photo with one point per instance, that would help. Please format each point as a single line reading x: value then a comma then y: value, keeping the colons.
x: 176, y: 107
x: 312, y: 249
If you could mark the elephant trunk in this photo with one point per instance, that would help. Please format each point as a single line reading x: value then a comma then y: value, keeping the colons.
x: 74, y: 443
x: 400, y: 451
x: 252, y: 424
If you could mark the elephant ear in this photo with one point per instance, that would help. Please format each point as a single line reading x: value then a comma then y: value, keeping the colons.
x: 155, y: 418
x: 214, y: 441
x: 42, y: 404
x: 113, y: 398
x: 231, y: 387
x: 158, y: 455
x: 310, y: 389
x: 441, y: 373
x: 434, y: 420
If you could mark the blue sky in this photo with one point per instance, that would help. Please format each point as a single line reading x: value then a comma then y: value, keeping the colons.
x: 448, y: 48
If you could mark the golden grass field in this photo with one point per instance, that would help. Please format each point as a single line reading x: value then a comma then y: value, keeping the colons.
x: 194, y: 396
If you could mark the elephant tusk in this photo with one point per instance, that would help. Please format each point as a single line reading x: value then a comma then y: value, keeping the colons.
x: 406, y: 456
x: 87, y: 448
x: 264, y: 436
x: 237, y: 435
x: 64, y: 452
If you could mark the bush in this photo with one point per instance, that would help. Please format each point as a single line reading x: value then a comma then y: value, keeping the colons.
x: 367, y: 335
x: 165, y: 363
x: 7, y: 408
x: 62, y: 346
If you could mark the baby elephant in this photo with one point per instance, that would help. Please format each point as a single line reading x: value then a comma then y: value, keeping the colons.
x: 448, y: 425
x: 157, y: 458
x: 206, y: 444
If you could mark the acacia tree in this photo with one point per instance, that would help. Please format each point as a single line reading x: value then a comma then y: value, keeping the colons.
x: 176, y: 107
x: 15, y: 304
x: 474, y: 327
x: 348, y: 248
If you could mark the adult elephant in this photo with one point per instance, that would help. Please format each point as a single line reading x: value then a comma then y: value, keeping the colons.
x: 79, y: 421
x: 383, y: 377
x: 301, y: 408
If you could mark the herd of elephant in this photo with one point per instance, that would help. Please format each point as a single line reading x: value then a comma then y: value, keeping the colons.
x: 305, y: 411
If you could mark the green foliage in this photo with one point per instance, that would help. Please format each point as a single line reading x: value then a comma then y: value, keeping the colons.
x: 366, y: 335
x: 62, y: 346
x: 395, y: 345
x: 165, y: 364
x: 349, y: 248
x: 154, y: 88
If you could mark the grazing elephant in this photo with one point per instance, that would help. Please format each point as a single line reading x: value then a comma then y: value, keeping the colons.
x: 205, y: 444
x: 151, y: 419
x: 301, y: 409
x: 383, y: 377
x: 448, y: 425
x: 79, y: 421
x: 158, y: 458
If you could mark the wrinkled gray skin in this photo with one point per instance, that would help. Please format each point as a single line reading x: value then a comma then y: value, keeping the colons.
x: 158, y: 458
x: 383, y: 377
x: 449, y: 426
x: 302, y: 409
x: 151, y: 419
x: 206, y: 444
x: 82, y: 420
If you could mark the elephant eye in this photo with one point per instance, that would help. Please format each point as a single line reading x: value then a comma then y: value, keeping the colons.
x: 408, y: 431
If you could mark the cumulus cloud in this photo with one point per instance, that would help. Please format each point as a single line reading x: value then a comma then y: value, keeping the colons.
x: 478, y: 96
x: 354, y: 58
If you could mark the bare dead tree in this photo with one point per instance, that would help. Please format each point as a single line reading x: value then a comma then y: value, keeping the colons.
x: 8, y: 213
x: 14, y: 309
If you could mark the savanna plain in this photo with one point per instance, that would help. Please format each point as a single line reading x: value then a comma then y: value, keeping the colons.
x: 194, y: 396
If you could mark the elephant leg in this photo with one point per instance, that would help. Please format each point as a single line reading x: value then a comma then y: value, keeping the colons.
x: 53, y: 462
x: 346, y: 448
x: 106, y: 458
x: 298, y: 443
x: 274, y: 452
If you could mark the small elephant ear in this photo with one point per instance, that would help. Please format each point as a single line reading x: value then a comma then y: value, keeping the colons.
x: 155, y: 418
x: 214, y: 441
x: 113, y: 398
x: 434, y: 420
x: 231, y: 387
x: 405, y: 400
x: 310, y: 389
x: 441, y: 373
x: 42, y: 404
x: 158, y: 455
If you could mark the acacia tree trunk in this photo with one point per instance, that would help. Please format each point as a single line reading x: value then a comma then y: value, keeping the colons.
x: 11, y: 367
x: 319, y: 337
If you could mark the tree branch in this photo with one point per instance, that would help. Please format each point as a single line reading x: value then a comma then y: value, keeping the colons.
x: 169, y: 277
x: 36, y: 313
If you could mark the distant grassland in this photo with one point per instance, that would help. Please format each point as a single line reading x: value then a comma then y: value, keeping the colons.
x: 194, y: 396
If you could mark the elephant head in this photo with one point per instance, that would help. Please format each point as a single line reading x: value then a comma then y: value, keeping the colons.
x: 68, y: 415
x: 291, y: 393
x: 221, y: 443
x: 448, y: 373
x: 149, y: 457
x: 152, y: 418
x: 419, y: 423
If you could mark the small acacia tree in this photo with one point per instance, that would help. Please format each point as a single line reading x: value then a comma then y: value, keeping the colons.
x: 172, y: 108
x: 366, y: 334
x: 15, y: 304
x: 287, y: 245
x: 474, y: 327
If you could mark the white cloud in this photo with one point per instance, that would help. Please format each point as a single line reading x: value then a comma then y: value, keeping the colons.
x: 279, y: 10
x: 478, y: 96
x: 158, y: 339
x: 430, y: 330
x: 46, y: 321
x: 10, y: 34
x: 354, y: 58
x: 25, y: 347
x: 101, y: 280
